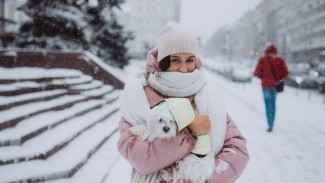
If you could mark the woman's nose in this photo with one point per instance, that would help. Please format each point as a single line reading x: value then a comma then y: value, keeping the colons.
x: 183, y: 68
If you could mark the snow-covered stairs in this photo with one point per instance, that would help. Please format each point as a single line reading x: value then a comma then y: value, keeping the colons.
x: 54, y: 120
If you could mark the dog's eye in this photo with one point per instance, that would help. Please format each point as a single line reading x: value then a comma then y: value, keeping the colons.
x: 171, y: 121
x: 160, y: 120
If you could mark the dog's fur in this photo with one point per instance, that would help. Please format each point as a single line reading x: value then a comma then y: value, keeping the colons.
x: 191, y: 167
x: 159, y: 118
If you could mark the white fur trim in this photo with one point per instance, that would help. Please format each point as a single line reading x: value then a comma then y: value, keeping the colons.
x: 208, y: 101
x: 134, y: 104
x: 196, y: 169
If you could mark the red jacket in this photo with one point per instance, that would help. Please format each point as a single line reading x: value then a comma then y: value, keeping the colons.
x: 264, y: 71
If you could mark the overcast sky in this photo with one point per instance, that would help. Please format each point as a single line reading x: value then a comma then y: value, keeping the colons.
x: 204, y: 17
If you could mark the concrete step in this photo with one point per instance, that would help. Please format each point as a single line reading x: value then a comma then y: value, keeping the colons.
x: 12, y: 101
x: 67, y: 161
x: 9, y: 118
x: 35, y: 74
x: 38, y: 124
x: 98, y: 166
x: 19, y: 88
x: 46, y: 144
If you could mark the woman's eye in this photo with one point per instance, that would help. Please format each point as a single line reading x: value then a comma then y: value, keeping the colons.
x: 175, y: 60
x: 190, y: 60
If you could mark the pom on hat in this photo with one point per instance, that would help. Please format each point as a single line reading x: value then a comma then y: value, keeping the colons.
x: 174, y: 38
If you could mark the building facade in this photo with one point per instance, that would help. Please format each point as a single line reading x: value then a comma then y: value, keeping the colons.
x: 241, y: 45
x: 297, y: 27
x: 144, y: 18
x: 302, y: 30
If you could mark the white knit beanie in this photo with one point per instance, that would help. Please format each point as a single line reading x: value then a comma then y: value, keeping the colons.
x: 174, y: 38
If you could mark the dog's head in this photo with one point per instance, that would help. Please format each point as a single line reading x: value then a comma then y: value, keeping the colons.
x: 161, y: 121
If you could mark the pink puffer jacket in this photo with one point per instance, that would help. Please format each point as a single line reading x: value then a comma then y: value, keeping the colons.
x: 148, y: 157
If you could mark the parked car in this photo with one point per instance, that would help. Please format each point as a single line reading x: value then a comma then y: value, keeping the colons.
x: 320, y: 73
x: 301, y: 75
x: 241, y: 74
x: 321, y: 84
x: 301, y: 80
x: 234, y: 71
x: 227, y: 71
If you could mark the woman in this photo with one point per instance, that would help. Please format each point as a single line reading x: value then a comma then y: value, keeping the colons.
x: 173, y: 71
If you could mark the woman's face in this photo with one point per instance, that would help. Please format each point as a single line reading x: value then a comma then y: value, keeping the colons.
x: 182, y: 62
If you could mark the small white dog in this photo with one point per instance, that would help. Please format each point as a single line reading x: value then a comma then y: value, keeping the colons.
x: 161, y: 124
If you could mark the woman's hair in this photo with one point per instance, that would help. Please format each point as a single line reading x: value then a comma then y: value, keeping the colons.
x: 164, y: 64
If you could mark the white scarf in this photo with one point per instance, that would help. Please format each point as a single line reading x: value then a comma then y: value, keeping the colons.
x: 134, y: 104
x: 177, y: 84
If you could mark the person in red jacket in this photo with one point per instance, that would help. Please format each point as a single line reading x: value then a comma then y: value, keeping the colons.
x: 264, y: 72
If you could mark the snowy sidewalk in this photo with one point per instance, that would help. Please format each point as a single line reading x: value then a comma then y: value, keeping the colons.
x: 293, y: 152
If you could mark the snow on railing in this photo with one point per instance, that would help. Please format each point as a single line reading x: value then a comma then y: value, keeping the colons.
x: 118, y: 73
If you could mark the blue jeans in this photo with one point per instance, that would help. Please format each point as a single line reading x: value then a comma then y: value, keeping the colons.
x: 269, y: 98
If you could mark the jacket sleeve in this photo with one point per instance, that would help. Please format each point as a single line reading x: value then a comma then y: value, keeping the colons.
x: 258, y: 70
x: 233, y: 158
x: 148, y: 157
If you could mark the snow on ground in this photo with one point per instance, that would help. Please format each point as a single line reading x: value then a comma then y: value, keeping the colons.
x: 293, y: 152
x: 28, y: 73
x: 29, y: 96
x: 98, y: 169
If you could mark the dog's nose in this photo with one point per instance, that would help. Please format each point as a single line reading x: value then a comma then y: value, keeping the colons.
x: 166, y: 129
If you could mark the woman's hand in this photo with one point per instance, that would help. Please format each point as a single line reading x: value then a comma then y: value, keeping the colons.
x: 201, y: 124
